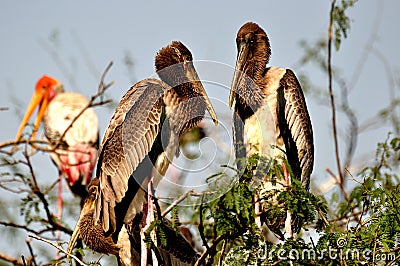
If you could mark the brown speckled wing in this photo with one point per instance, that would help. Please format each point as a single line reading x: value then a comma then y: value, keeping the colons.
x: 127, y: 140
x: 295, y: 127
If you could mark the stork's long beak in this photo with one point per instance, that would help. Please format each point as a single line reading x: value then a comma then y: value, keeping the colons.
x: 240, y: 70
x: 74, y: 238
x: 39, y: 98
x: 193, y: 77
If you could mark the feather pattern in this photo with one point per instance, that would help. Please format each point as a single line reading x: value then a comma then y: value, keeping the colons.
x: 277, y: 91
x: 295, y: 127
x: 135, y: 122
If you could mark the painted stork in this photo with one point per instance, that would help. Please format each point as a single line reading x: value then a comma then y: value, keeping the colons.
x: 75, y: 154
x: 269, y: 108
x: 141, y: 140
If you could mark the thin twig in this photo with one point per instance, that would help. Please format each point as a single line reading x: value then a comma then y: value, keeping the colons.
x: 102, y: 86
x: 85, y: 54
x: 353, y: 128
x: 58, y: 61
x: 346, y: 196
x: 332, y: 97
x: 26, y: 228
x: 373, y: 37
x: 29, y: 141
x: 176, y: 202
x: 214, y: 244
x: 201, y: 226
x: 36, y: 190
x: 340, y: 184
x: 101, y: 90
x: 221, y: 257
x: 59, y: 248
x: 12, y: 260
x: 28, y: 243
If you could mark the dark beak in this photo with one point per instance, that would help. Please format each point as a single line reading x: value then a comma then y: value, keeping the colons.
x: 191, y: 74
x: 240, y: 69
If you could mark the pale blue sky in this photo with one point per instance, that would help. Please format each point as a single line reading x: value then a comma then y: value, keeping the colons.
x: 104, y: 31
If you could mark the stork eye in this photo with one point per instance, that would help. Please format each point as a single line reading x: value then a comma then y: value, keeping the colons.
x: 93, y: 191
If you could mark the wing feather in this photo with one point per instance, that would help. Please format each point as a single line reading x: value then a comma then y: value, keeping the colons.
x: 127, y: 140
x: 295, y: 127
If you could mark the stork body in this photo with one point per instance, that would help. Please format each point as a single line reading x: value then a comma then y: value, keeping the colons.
x: 77, y: 154
x: 140, y: 142
x: 269, y: 109
x: 71, y: 134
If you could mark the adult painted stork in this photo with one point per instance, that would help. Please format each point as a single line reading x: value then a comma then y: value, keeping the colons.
x: 141, y: 140
x: 75, y: 154
x: 269, y: 108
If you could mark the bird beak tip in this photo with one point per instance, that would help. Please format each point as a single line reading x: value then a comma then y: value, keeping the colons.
x: 36, y: 100
x: 74, y: 237
x: 231, y: 99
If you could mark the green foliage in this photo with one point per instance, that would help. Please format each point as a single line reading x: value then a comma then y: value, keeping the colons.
x: 363, y: 230
x: 341, y: 22
x: 28, y: 205
x: 157, y: 227
x: 231, y: 218
x: 231, y: 213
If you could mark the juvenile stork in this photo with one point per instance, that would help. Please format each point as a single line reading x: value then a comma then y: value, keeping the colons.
x: 269, y: 109
x: 75, y: 154
x: 141, y: 140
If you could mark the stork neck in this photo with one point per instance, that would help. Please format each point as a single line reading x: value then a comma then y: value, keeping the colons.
x: 184, y: 90
x: 249, y: 98
x: 258, y: 63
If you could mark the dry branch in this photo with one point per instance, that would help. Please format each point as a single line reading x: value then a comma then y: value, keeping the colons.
x: 58, y: 247
x: 332, y: 97
x: 14, y: 261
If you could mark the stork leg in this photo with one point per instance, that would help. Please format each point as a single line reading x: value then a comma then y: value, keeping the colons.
x: 148, y: 218
x: 288, y: 221
x: 59, y: 211
x: 143, y: 247
x: 59, y: 200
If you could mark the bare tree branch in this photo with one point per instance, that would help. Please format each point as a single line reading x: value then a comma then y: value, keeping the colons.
x: 14, y: 261
x: 102, y: 88
x: 332, y: 97
x: 58, y: 247
x: 28, y: 243
x: 176, y: 202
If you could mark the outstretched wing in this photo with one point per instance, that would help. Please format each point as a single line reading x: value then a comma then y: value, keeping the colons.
x: 295, y: 127
x: 127, y: 141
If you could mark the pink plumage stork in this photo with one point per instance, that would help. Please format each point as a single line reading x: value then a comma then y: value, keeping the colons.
x: 76, y: 153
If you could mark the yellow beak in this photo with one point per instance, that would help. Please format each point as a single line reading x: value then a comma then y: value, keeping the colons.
x: 39, y: 98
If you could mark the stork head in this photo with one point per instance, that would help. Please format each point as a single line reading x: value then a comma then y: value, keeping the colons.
x: 253, y: 53
x: 174, y: 65
x: 45, y: 90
